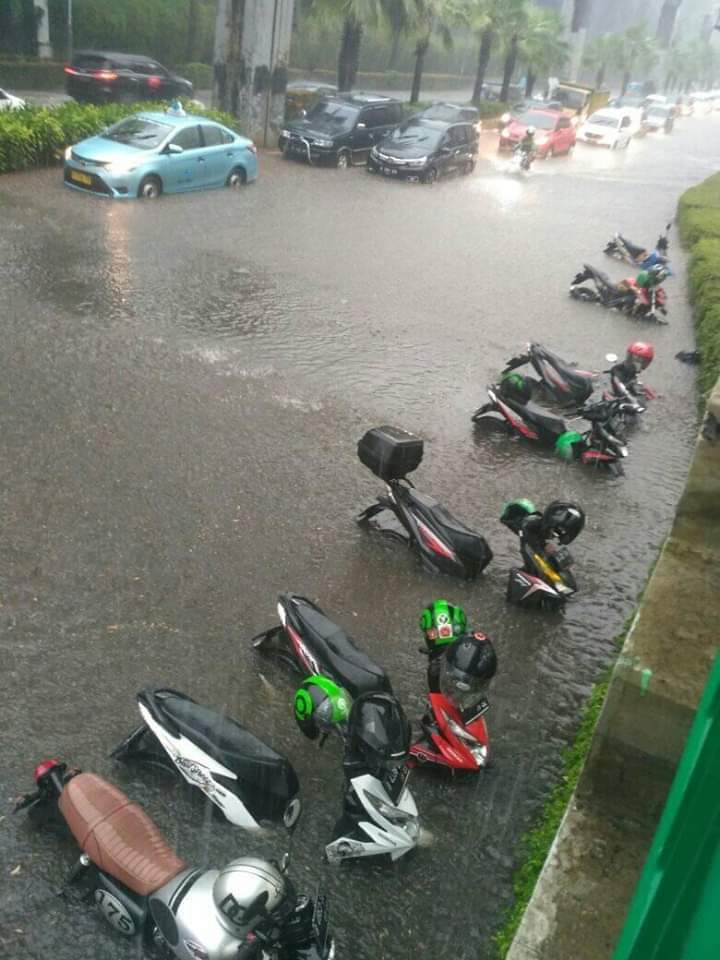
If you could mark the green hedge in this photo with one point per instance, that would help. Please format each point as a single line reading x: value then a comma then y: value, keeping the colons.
x: 199, y: 74
x: 16, y: 74
x: 37, y: 136
x: 699, y: 224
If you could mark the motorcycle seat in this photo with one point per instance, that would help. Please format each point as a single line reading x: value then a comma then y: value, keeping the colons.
x: 225, y: 740
x: 632, y: 248
x: 467, y: 542
x: 117, y: 835
x: 581, y: 380
x: 539, y: 416
x: 598, y: 275
x: 350, y: 666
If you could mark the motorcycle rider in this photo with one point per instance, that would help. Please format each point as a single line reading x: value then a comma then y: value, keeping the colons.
x: 638, y: 357
x: 526, y: 146
x: 444, y: 624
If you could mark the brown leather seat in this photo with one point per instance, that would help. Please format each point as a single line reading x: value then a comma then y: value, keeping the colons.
x: 117, y: 835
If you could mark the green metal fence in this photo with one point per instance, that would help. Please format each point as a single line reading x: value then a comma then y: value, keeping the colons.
x: 675, y: 913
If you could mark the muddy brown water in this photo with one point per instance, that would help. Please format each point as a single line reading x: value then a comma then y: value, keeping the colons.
x: 183, y: 386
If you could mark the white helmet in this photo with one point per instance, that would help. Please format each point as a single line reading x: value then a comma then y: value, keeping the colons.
x: 245, y: 891
x: 530, y: 131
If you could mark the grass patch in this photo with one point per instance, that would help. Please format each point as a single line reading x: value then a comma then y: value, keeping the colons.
x: 699, y: 226
x: 535, y: 844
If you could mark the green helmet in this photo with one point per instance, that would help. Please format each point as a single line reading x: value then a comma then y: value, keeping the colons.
x: 320, y: 704
x: 442, y: 622
x: 515, y: 513
x: 565, y: 444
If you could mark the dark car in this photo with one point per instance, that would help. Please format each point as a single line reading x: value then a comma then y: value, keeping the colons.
x: 102, y: 77
x: 424, y: 150
x: 453, y: 113
x: 341, y: 130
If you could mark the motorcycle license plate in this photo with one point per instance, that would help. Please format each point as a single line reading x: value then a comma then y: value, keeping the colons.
x: 388, y: 172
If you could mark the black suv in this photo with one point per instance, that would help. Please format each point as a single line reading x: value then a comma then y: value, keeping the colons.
x: 425, y: 149
x: 121, y: 77
x: 341, y: 130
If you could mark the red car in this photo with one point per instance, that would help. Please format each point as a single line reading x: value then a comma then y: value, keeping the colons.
x: 554, y: 132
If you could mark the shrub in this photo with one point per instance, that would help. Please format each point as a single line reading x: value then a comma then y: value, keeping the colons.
x: 199, y: 74
x: 37, y: 136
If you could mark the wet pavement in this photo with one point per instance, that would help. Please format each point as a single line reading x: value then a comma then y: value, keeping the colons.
x: 183, y: 386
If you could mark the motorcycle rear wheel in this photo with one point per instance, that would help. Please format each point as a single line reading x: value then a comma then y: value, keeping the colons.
x: 585, y: 294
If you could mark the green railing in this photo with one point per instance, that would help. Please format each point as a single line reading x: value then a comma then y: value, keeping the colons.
x: 675, y: 913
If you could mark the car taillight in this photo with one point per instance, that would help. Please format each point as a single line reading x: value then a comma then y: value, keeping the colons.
x: 154, y: 81
x: 70, y: 70
x: 103, y: 74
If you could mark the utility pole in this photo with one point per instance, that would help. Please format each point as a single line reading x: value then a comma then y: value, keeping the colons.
x: 69, y: 29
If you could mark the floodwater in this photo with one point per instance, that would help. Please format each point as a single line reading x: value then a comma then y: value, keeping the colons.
x: 183, y: 387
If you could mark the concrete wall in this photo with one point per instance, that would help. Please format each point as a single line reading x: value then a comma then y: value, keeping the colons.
x: 590, y: 874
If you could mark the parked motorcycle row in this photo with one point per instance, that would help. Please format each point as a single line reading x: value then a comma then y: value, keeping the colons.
x: 249, y: 909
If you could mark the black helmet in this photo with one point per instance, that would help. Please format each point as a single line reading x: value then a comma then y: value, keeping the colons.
x: 563, y: 519
x: 471, y: 662
x: 378, y: 731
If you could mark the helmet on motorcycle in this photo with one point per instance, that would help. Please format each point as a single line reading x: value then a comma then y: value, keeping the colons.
x: 656, y: 274
x: 566, y: 445
x: 515, y: 386
x: 378, y: 731
x: 245, y: 891
x: 471, y: 662
x: 442, y: 622
x: 639, y: 355
x: 530, y: 132
x: 563, y: 519
x: 516, y: 512
x: 319, y: 705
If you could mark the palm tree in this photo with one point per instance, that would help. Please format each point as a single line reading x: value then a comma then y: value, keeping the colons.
x: 542, y: 48
x: 512, y: 23
x: 598, y: 55
x: 431, y: 17
x: 666, y: 23
x: 484, y: 17
x: 634, y: 49
x: 355, y: 15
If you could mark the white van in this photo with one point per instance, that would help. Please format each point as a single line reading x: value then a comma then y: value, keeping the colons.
x: 611, y: 127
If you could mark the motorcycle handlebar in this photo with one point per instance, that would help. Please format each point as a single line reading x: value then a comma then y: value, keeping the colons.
x: 24, y: 800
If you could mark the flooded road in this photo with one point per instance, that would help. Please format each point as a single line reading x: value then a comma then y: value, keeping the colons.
x: 183, y: 387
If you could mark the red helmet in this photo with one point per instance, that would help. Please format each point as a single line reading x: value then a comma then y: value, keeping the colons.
x: 639, y: 355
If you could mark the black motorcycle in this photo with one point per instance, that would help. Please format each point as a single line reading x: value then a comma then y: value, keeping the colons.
x: 248, y: 910
x: 603, y: 444
x: 245, y: 778
x: 644, y: 302
x: 545, y: 581
x: 445, y: 545
x: 620, y: 248
x: 557, y: 379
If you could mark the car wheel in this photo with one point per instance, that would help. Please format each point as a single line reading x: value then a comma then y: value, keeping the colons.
x: 150, y: 188
x: 468, y: 167
x: 343, y: 160
x: 236, y: 178
x: 431, y: 175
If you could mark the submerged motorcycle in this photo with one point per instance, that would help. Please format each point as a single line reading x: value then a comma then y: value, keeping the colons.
x: 544, y: 581
x: 311, y: 643
x: 643, y: 300
x: 620, y: 248
x: 379, y: 811
x: 245, y: 778
x: 624, y: 382
x: 461, y: 664
x: 445, y: 545
x: 249, y: 910
x: 603, y: 444
x: 556, y: 379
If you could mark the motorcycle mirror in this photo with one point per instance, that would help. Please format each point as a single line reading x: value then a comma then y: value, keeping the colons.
x: 611, y: 357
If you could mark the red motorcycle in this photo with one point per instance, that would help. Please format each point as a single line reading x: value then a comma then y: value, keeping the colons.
x: 647, y: 300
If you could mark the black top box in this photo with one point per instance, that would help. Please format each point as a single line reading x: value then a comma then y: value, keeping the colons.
x: 390, y: 452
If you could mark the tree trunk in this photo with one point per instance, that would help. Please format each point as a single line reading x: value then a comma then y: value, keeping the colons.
x: 228, y: 66
x: 486, y: 41
x: 625, y: 82
x: 666, y: 23
x: 530, y: 83
x: 349, y: 57
x: 193, y: 22
x: 600, y: 77
x: 509, y: 68
x: 420, y: 51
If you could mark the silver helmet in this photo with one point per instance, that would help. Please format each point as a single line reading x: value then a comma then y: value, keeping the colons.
x: 245, y: 891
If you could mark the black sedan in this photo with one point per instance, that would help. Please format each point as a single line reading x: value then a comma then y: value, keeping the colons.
x: 424, y: 150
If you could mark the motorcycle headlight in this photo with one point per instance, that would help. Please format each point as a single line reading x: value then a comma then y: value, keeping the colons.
x: 505, y: 132
x: 399, y: 817
x: 477, y: 749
